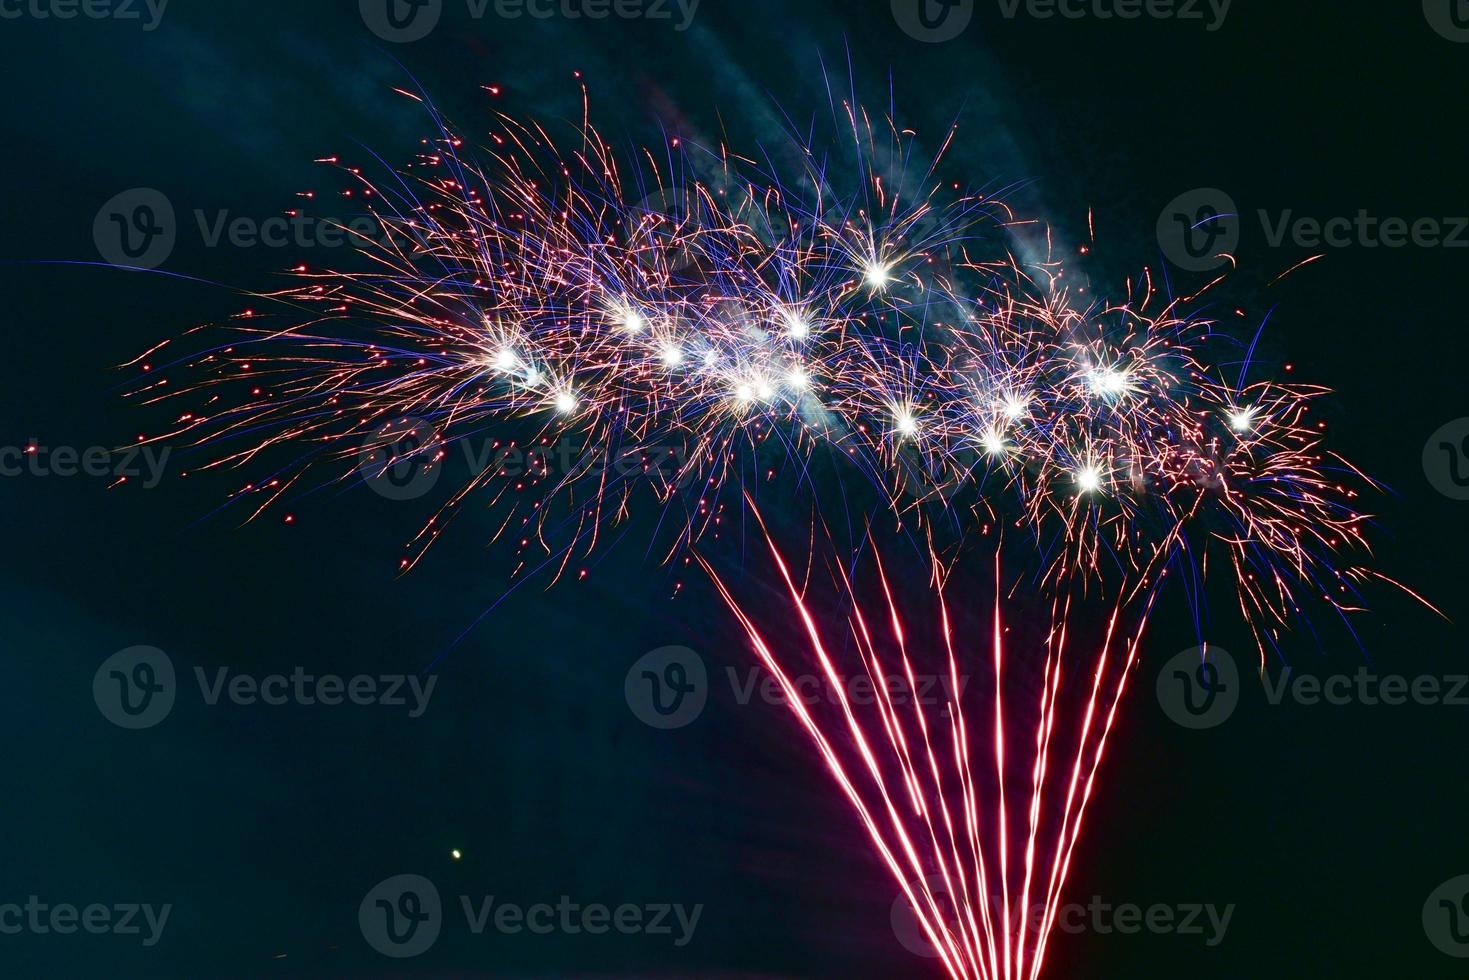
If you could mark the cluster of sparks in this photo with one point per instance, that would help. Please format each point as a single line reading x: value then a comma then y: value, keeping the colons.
x: 691, y: 304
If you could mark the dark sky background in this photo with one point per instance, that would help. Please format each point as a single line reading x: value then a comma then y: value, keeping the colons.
x: 1326, y: 827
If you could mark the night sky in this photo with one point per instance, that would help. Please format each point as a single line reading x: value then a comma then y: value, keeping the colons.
x: 262, y: 827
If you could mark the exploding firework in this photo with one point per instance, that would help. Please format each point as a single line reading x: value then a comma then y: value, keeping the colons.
x: 690, y: 303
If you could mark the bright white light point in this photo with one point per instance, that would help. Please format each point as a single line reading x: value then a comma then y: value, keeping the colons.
x: 506, y: 360
x: 744, y: 394
x: 1015, y: 406
x: 993, y: 443
x: 710, y: 359
x: 877, y: 274
x: 633, y: 321
x: 1242, y: 419
x: 455, y: 854
x: 672, y: 356
x: 565, y: 402
x: 1089, y: 478
x: 1108, y: 381
x: 797, y: 378
x: 764, y: 390
x: 532, y: 376
x: 907, y: 424
x: 796, y: 326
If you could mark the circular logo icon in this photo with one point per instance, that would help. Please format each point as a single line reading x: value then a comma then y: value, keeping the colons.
x: 135, y: 229
x: 1199, y: 228
x: 655, y: 227
x: 134, y: 688
x: 908, y: 924
x: 933, y: 21
x: 667, y: 688
x: 401, y: 21
x: 1446, y: 459
x: 1450, y: 18
x: 1446, y: 917
x: 400, y: 460
x: 1199, y: 688
x: 401, y: 916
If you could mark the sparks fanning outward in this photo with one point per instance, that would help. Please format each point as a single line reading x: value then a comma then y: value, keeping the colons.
x: 692, y: 304
x: 721, y: 319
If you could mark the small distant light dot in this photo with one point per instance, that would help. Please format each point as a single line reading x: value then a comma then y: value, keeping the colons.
x: 456, y: 854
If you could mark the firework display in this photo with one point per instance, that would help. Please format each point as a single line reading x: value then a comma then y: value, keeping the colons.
x: 725, y: 322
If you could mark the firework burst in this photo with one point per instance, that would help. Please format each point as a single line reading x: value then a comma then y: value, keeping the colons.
x: 686, y: 300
